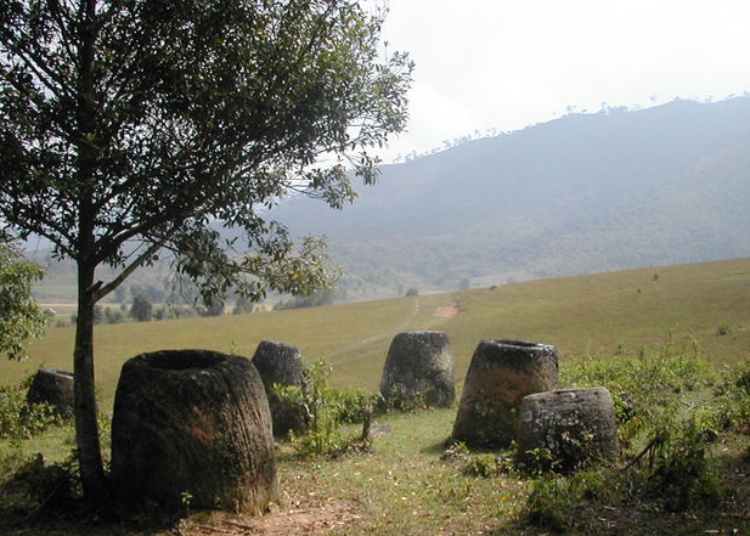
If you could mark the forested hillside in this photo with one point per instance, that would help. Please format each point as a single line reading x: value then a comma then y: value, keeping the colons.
x: 581, y: 194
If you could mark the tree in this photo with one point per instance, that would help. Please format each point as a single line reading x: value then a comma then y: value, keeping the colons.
x: 216, y: 308
x: 133, y: 128
x: 21, y: 318
x: 242, y: 306
x: 142, y: 308
x: 318, y: 298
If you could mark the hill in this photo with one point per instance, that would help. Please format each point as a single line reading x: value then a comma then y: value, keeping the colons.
x: 582, y: 194
x: 585, y: 193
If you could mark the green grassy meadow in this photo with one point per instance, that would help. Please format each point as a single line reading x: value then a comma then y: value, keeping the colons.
x: 406, y: 484
x: 604, y: 314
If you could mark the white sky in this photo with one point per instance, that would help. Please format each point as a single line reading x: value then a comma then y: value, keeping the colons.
x: 506, y: 64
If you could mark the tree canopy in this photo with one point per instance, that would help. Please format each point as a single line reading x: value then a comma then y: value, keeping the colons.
x: 132, y: 127
x: 21, y: 318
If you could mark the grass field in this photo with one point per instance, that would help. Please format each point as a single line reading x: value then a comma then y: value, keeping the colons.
x: 407, y: 485
x: 605, y: 314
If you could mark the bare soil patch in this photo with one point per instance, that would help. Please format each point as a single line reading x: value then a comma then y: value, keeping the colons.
x: 448, y: 311
x: 299, y: 515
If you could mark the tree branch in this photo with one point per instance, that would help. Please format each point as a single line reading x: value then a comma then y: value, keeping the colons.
x: 102, y: 290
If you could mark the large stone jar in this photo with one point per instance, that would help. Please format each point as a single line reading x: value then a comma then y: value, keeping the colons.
x: 576, y: 426
x: 281, y: 364
x: 54, y: 387
x: 419, y: 371
x: 193, y: 427
x: 501, y: 373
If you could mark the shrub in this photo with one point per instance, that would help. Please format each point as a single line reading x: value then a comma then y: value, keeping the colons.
x: 326, y: 409
x: 31, y: 485
x: 675, y: 471
x: 19, y: 420
x: 404, y: 402
x: 539, y: 462
x: 558, y: 503
x: 649, y: 380
x: 142, y: 308
x: 733, y: 399
x: 678, y: 472
x: 483, y: 465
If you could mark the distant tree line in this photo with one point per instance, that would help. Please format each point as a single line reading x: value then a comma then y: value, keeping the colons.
x: 143, y: 307
x: 316, y: 299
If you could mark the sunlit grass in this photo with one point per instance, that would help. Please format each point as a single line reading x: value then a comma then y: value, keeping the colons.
x: 605, y: 314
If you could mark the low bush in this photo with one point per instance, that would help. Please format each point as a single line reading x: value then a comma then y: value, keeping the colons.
x: 30, y: 486
x: 678, y: 473
x: 557, y: 502
x: 732, y: 397
x: 674, y: 410
x: 325, y: 410
x: 19, y: 420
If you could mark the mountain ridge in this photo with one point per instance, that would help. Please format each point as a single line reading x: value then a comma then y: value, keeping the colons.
x: 583, y: 193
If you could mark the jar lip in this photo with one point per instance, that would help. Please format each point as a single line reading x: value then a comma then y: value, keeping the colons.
x: 183, y: 359
x: 569, y: 392
x: 56, y: 372
x: 517, y: 343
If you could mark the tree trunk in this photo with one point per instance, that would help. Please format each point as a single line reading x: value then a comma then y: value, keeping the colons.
x: 87, y: 427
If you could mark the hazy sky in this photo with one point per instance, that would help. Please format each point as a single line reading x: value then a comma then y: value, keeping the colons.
x: 505, y: 64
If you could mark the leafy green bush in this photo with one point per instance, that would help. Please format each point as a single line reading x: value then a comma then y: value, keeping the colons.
x: 672, y: 467
x: 404, y: 402
x: 18, y: 420
x: 678, y: 472
x: 483, y: 465
x: 651, y: 379
x: 733, y: 399
x: 30, y: 485
x: 551, y: 504
x: 539, y: 462
x: 21, y: 318
x: 326, y: 409
x: 53, y: 487
x: 556, y: 502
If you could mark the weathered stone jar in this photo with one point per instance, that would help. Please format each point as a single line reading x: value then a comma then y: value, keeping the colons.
x: 501, y: 373
x: 281, y: 364
x: 54, y: 387
x: 576, y: 426
x: 419, y: 370
x: 193, y: 423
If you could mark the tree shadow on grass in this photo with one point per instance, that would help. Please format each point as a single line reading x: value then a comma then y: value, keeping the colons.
x: 43, y: 500
x: 437, y: 448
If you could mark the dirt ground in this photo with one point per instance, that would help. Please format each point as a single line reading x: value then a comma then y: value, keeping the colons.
x: 298, y: 515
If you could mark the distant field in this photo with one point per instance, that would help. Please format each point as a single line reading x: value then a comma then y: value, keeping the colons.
x: 606, y: 314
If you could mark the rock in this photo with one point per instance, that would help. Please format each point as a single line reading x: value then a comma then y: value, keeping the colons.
x: 419, y: 371
x: 193, y: 427
x: 501, y: 373
x: 576, y: 426
x: 281, y: 364
x: 53, y: 387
